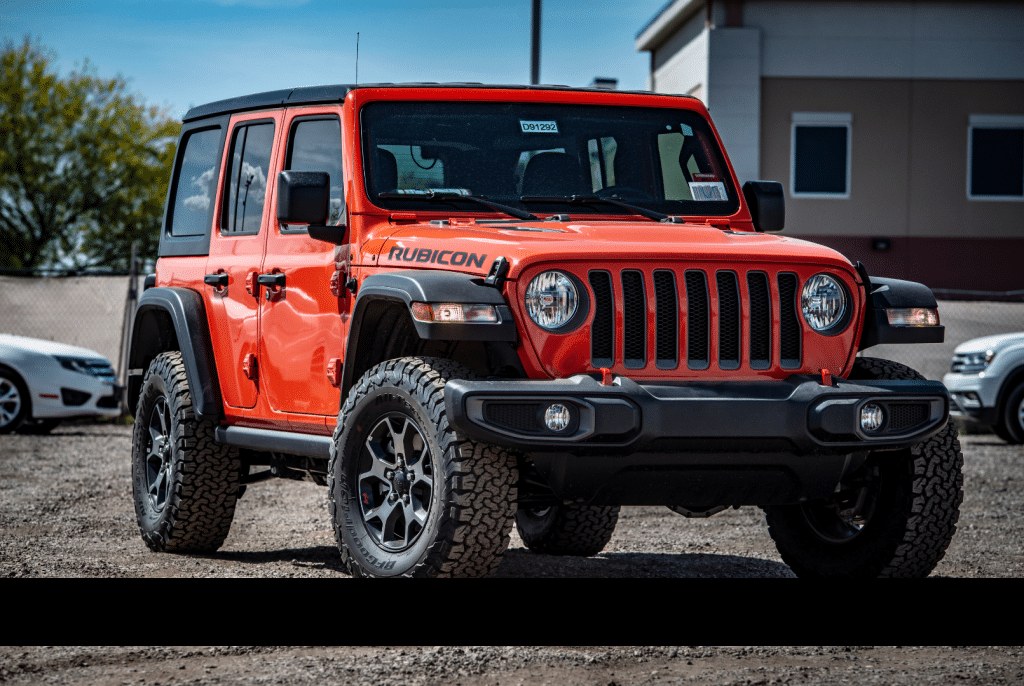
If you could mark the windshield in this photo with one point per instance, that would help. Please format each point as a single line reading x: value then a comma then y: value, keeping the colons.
x: 537, y: 157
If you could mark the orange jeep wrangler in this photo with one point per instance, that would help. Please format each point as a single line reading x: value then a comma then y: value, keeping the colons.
x: 461, y: 306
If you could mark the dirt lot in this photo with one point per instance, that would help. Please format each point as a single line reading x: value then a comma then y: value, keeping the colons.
x: 66, y: 511
x: 511, y: 665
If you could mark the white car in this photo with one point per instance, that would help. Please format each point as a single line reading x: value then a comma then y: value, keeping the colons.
x: 42, y: 382
x: 986, y: 384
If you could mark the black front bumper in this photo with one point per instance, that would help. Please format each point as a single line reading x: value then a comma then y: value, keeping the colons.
x: 627, y: 417
x: 696, y: 444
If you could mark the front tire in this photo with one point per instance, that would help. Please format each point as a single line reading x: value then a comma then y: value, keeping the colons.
x: 567, y: 529
x: 13, y: 401
x: 892, y: 517
x: 408, y: 495
x: 185, y: 484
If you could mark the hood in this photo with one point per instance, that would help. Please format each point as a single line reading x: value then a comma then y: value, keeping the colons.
x: 473, y: 247
x: 37, y: 345
x: 995, y: 343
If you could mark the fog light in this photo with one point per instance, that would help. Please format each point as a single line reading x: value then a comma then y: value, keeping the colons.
x: 871, y: 417
x: 557, y: 417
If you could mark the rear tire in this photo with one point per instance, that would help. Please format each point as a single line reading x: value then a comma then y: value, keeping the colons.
x: 568, y: 529
x: 892, y: 517
x: 185, y: 484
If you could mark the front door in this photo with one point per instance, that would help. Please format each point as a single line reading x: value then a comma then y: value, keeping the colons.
x: 303, y: 323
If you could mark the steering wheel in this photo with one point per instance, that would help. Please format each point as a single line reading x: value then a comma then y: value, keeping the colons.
x: 624, y: 193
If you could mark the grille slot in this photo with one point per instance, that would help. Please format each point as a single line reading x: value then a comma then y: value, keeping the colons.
x: 634, y: 334
x: 697, y: 320
x: 789, y: 334
x: 602, y: 331
x: 760, y: 320
x: 906, y: 416
x: 667, y: 313
x: 728, y: 320
x: 521, y: 417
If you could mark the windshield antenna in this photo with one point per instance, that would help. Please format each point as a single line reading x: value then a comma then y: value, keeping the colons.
x: 357, y: 58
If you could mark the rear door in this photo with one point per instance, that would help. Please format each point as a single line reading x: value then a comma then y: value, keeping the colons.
x: 236, y: 254
x: 303, y: 323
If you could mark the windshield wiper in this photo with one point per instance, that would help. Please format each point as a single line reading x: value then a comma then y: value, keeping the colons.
x: 439, y: 196
x: 597, y: 200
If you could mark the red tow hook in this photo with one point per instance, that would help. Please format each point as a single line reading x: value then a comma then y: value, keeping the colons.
x: 826, y: 378
x: 606, y: 376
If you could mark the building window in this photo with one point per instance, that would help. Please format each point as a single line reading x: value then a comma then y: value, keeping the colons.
x: 995, y: 157
x: 821, y: 147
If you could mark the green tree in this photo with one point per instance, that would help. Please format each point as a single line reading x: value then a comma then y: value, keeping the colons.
x: 84, y: 165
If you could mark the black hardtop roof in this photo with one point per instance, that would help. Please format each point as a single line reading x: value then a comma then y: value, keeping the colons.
x: 319, y: 95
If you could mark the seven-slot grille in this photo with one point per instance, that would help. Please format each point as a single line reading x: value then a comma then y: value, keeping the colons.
x: 686, y: 292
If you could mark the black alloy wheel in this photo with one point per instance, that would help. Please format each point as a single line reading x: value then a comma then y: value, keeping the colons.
x: 396, y: 482
x: 158, y: 454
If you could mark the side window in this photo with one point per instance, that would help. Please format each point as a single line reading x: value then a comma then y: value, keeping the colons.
x: 995, y: 157
x: 821, y: 148
x: 196, y: 184
x: 315, y: 145
x: 247, y: 172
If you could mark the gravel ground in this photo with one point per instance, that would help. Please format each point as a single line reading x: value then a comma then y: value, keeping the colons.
x: 511, y: 665
x: 66, y: 511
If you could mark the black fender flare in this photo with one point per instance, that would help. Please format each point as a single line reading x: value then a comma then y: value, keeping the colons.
x: 883, y: 294
x: 430, y: 286
x: 171, y: 318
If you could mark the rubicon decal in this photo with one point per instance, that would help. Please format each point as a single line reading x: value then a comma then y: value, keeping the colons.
x: 428, y: 256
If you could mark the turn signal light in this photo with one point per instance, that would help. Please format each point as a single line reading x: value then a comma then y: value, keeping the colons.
x: 913, y: 316
x: 455, y: 312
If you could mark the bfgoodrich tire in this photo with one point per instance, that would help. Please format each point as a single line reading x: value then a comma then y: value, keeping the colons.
x: 185, y: 484
x: 892, y: 517
x: 408, y: 495
x: 570, y: 529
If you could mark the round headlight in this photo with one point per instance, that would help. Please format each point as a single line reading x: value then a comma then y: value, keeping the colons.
x: 551, y: 300
x: 823, y: 302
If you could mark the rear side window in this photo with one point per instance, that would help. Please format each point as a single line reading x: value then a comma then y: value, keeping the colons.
x: 248, y: 169
x: 315, y: 145
x: 196, y: 183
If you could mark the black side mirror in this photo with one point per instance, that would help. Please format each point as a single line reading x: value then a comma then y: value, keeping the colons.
x: 304, y: 198
x: 767, y: 203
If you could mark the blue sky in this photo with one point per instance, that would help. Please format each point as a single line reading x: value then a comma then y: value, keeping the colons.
x: 189, y: 52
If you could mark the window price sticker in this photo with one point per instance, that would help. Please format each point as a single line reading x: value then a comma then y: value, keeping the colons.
x: 714, y: 190
x: 538, y: 126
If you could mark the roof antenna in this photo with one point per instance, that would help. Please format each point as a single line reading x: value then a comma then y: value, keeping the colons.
x: 357, y: 58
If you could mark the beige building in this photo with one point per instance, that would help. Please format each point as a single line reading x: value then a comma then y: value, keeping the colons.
x: 896, y: 128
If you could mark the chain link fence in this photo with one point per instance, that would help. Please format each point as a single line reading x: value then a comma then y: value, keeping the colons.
x: 87, y: 310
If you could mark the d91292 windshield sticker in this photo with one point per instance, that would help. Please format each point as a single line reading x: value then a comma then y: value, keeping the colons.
x: 705, y: 190
x: 538, y: 126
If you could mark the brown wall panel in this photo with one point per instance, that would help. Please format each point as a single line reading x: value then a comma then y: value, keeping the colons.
x: 940, y: 112
x: 960, y: 263
x: 880, y: 164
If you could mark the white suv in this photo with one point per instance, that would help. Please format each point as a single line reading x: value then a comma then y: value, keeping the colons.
x: 42, y: 382
x: 986, y: 384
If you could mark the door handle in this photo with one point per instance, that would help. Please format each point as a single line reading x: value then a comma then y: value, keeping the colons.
x: 271, y: 279
x: 218, y: 280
